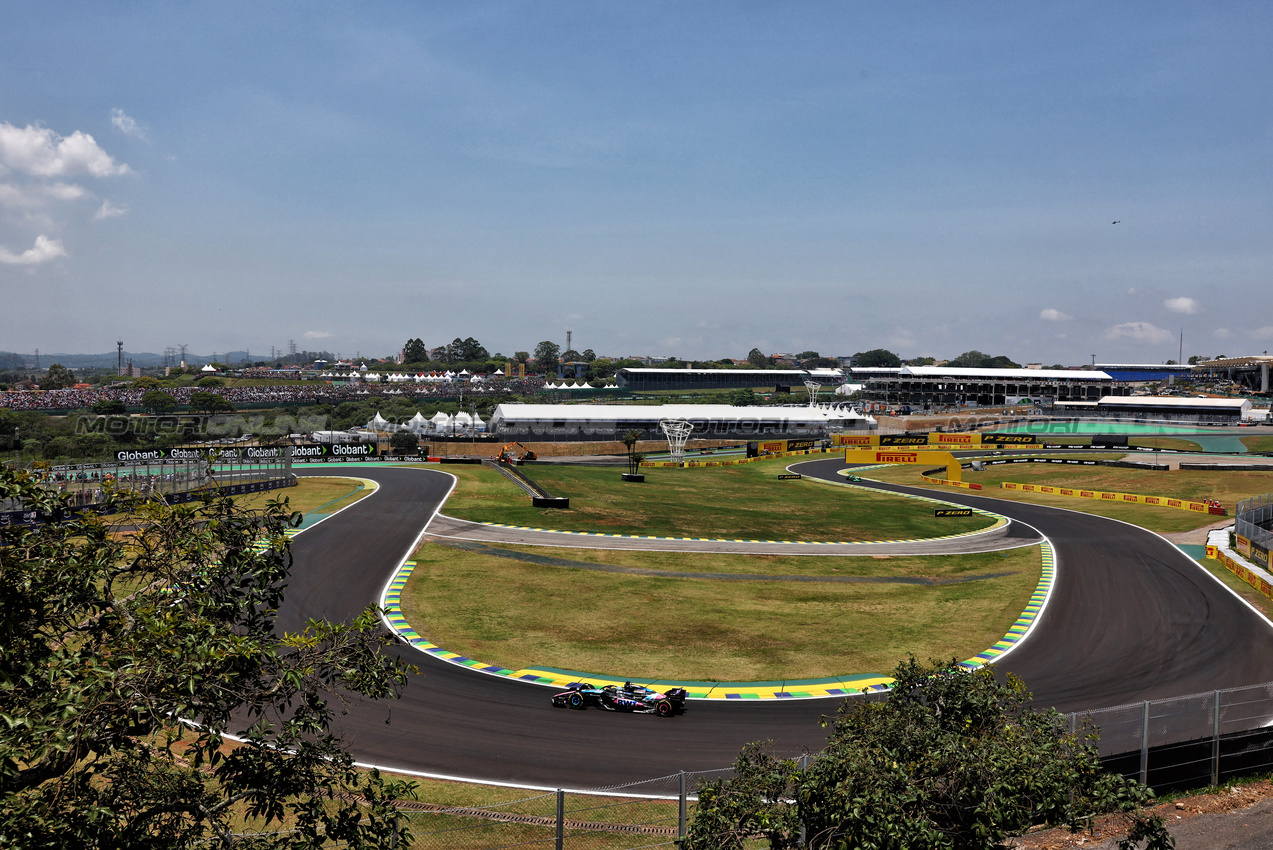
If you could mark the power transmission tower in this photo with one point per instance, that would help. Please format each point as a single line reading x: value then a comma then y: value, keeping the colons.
x: 183, y: 355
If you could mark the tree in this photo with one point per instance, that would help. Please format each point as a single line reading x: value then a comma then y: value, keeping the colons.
x: 158, y: 401
x: 877, y: 357
x: 570, y: 356
x: 207, y: 402
x: 112, y: 637
x: 589, y: 355
x: 404, y: 441
x: 57, y: 378
x: 109, y: 407
x: 415, y: 352
x: 630, y: 439
x: 953, y: 759
x: 742, y: 397
x: 521, y: 356
x: 546, y: 355
x: 978, y: 360
x: 757, y: 359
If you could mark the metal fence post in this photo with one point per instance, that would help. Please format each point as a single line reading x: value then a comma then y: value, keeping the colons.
x: 1144, y: 747
x: 561, y: 818
x: 680, y: 813
x: 804, y: 765
x: 1215, y: 742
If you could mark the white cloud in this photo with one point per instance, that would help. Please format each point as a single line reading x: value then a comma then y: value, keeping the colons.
x: 1050, y: 314
x: 12, y: 195
x: 1138, y: 331
x: 109, y: 210
x: 315, y: 335
x: 126, y: 125
x: 1181, y: 305
x: 42, y: 251
x: 1265, y: 332
x: 41, y: 152
x: 1223, y: 333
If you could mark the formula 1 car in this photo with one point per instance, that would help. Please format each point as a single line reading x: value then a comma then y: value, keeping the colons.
x: 630, y: 698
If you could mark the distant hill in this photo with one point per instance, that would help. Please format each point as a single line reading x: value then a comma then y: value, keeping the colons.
x: 109, y: 360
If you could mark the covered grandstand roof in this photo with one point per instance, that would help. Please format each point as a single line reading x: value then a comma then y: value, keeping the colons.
x: 652, y: 413
x: 1004, y: 374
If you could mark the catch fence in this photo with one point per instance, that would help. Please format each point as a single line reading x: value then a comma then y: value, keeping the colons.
x: 632, y: 816
x: 1253, y: 519
x: 1187, y: 741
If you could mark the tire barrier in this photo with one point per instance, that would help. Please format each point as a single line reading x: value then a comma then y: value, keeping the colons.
x: 1121, y: 498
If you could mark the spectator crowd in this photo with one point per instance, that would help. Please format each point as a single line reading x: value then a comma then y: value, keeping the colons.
x: 316, y: 393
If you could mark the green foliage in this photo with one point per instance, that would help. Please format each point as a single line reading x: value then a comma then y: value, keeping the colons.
x: 207, y: 402
x: 109, y: 637
x: 977, y: 360
x: 109, y: 407
x: 57, y: 378
x: 546, y: 355
x: 209, y: 382
x: 758, y: 360
x: 158, y: 401
x: 464, y: 351
x: 953, y: 759
x: 404, y: 441
x: 415, y: 351
x: 877, y: 357
x: 742, y: 397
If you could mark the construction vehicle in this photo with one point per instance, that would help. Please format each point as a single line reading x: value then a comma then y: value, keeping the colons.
x: 508, y: 454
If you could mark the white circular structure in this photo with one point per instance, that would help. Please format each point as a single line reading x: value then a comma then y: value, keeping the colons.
x: 677, y: 432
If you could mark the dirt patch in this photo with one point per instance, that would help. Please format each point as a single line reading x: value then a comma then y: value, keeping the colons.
x: 1178, y: 814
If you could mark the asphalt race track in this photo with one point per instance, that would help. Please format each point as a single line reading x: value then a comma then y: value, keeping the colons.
x: 1130, y: 618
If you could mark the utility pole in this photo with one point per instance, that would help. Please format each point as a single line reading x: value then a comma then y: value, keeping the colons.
x: 119, y: 357
x: 1181, y: 355
x: 37, y: 360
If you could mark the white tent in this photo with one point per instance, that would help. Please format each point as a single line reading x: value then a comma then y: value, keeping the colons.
x: 378, y: 423
x: 441, y: 423
x: 461, y: 422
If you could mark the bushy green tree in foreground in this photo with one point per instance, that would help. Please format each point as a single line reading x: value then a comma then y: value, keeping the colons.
x: 953, y: 759
x: 109, y: 638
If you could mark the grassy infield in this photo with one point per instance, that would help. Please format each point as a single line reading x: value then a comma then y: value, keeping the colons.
x: 693, y: 628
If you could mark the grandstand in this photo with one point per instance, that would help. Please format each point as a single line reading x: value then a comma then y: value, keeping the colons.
x: 929, y: 387
x: 548, y: 422
x: 648, y: 380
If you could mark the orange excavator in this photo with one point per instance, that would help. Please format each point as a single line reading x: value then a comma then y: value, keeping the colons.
x: 508, y: 453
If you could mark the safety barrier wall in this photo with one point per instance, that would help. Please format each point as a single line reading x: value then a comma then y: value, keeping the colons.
x: 1240, y: 570
x: 964, y: 484
x: 1128, y: 498
x: 696, y: 463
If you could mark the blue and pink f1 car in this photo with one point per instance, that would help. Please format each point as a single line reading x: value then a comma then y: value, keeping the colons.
x: 635, y: 699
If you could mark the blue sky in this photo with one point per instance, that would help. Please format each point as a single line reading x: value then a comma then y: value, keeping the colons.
x: 689, y: 179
